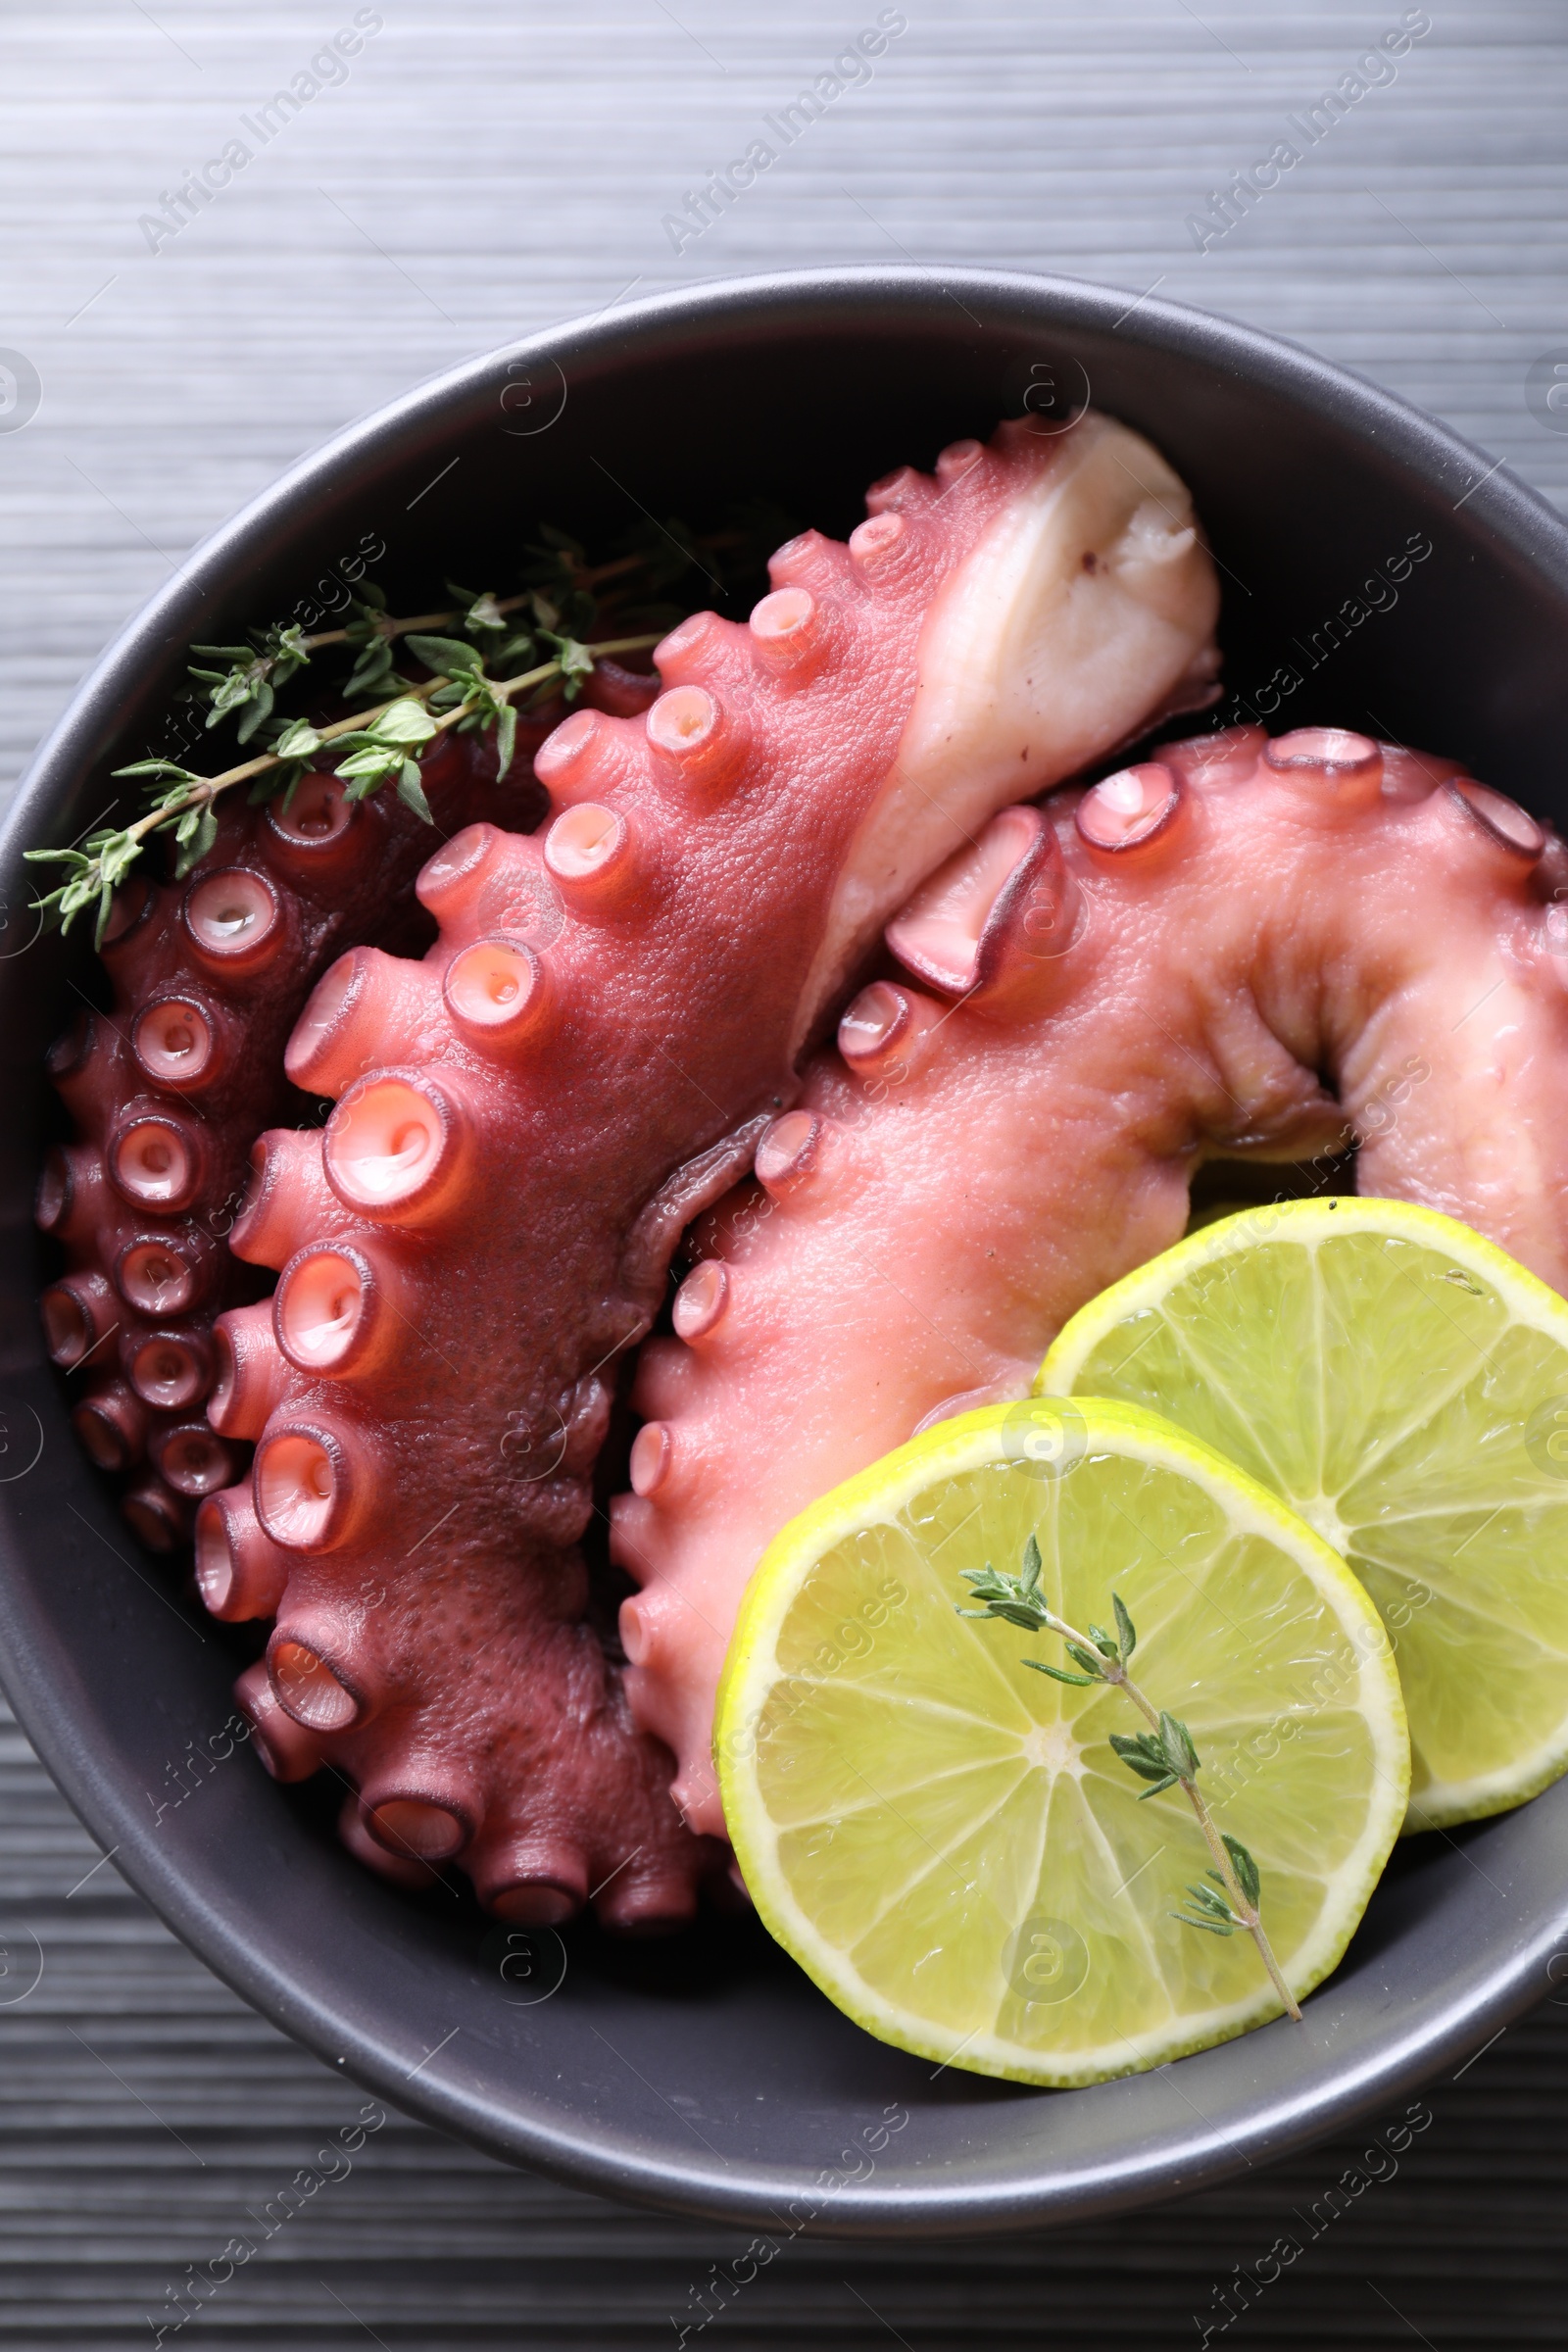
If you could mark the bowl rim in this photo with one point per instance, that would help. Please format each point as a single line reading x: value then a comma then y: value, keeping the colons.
x: 590, y: 2155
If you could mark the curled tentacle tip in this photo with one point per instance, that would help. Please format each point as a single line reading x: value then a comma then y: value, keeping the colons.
x: 401, y: 1136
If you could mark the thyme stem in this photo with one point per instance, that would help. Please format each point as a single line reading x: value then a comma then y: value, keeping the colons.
x: 1165, y: 1755
x: 1247, y: 1912
x: 207, y: 788
x: 390, y: 629
x: 90, y: 877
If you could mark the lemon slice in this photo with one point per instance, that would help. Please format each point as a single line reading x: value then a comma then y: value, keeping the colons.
x: 1404, y: 1385
x: 948, y: 1843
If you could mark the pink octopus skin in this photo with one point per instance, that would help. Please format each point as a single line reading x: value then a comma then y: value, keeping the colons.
x: 526, y: 1121
x: 1131, y: 980
x: 167, y: 1089
x: 208, y: 976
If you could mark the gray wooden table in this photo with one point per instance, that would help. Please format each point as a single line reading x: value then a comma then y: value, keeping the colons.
x: 479, y: 168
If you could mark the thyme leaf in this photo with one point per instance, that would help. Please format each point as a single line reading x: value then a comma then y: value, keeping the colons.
x: 489, y: 655
x: 1163, y: 1755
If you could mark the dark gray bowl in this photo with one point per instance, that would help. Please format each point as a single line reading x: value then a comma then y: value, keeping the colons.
x: 710, y: 2075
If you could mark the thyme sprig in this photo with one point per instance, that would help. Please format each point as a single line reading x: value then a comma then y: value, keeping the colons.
x: 1163, y: 1755
x: 562, y: 594
x: 547, y: 627
x: 380, y: 745
x: 559, y: 592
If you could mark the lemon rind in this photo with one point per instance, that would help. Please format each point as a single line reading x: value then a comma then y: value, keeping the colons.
x: 1529, y: 1301
x: 961, y: 1445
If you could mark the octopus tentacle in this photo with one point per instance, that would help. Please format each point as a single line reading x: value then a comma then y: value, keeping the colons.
x: 168, y: 1085
x: 525, y: 1120
x: 1228, y: 920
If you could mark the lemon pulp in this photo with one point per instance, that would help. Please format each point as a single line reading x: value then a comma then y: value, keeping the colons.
x: 946, y: 1840
x: 1404, y: 1385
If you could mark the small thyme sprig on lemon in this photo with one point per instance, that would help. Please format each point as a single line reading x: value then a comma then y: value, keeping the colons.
x: 1163, y: 1755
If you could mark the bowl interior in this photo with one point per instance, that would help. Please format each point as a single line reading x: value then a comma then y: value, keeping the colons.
x: 1366, y: 585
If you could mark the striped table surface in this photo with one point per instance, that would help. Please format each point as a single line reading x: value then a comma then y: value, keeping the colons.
x: 473, y: 169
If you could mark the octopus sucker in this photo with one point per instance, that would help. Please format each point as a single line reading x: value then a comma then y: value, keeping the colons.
x: 1268, y: 949
x: 168, y: 1086
x: 604, y: 1037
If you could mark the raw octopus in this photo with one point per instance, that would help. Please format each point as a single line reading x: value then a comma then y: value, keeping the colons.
x: 1162, y: 969
x: 528, y: 1118
x: 168, y: 1086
